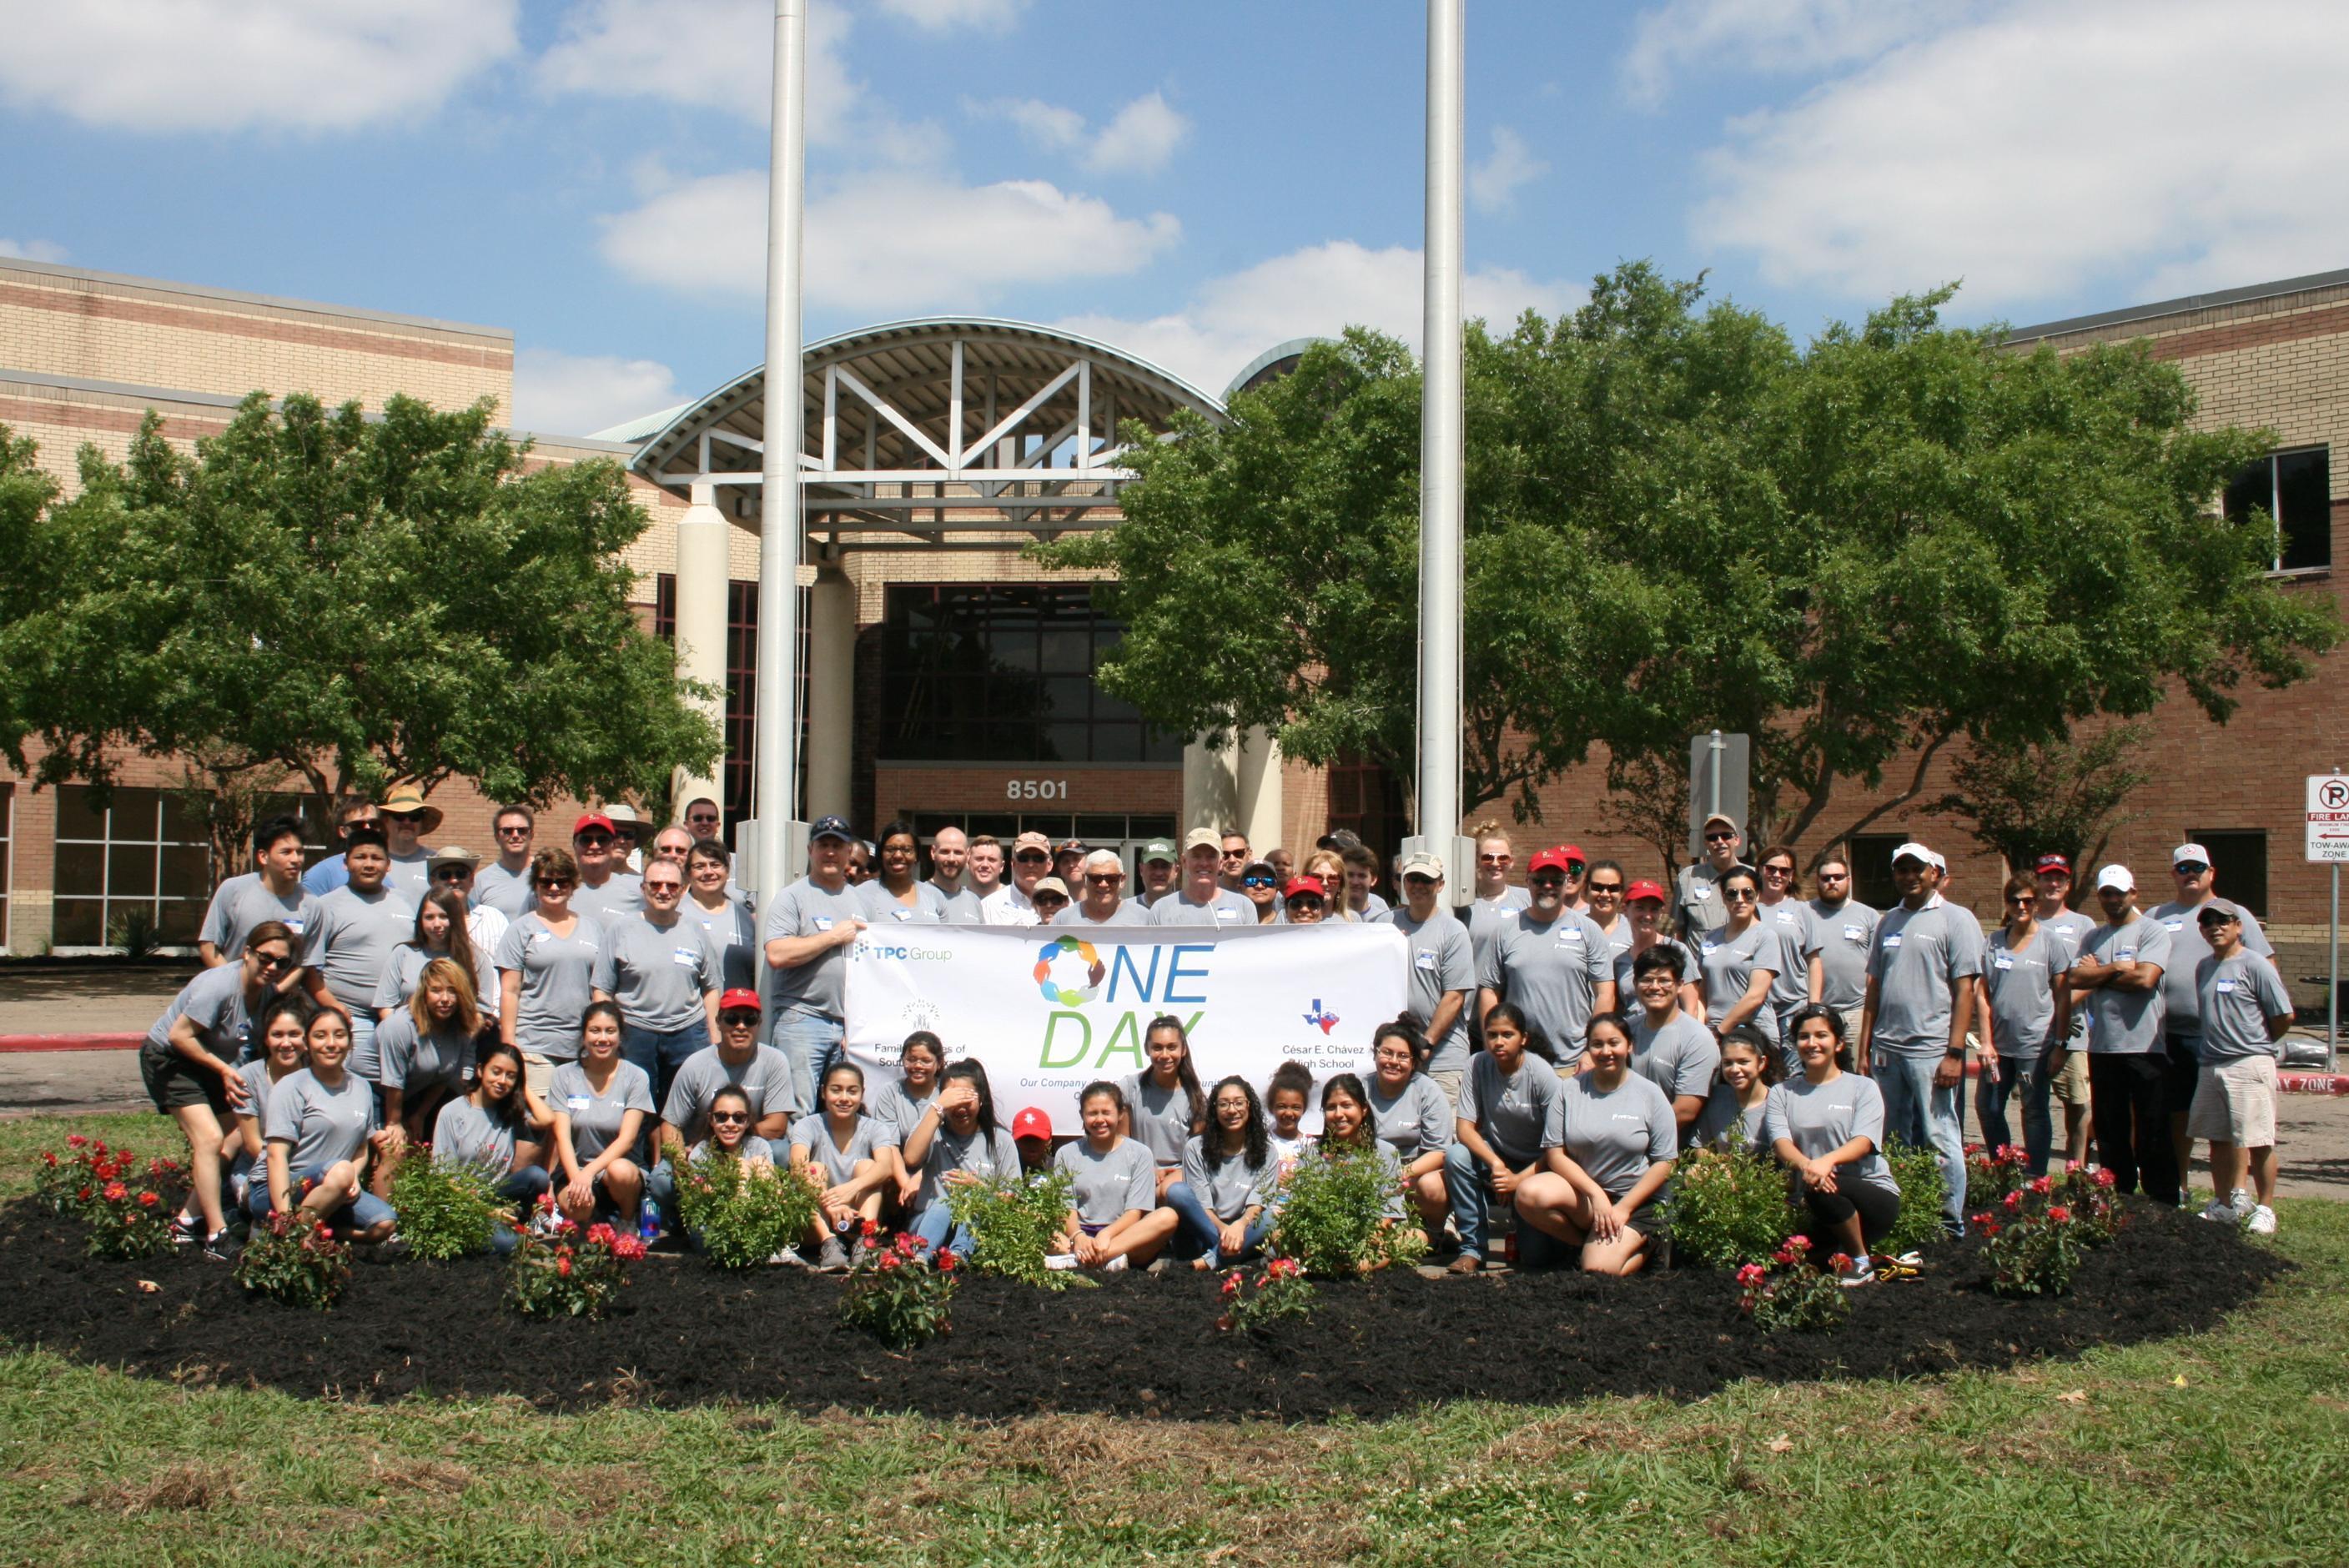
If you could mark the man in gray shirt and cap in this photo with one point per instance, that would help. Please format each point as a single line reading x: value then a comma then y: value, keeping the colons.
x: 2117, y: 972
x: 1442, y: 969
x: 2181, y: 1011
x: 809, y: 929
x: 1921, y: 975
x: 1696, y: 906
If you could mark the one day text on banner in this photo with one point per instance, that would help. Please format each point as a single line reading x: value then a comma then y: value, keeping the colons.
x: 1049, y: 1009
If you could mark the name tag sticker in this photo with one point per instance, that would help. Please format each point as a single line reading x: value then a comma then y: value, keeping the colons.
x: 823, y: 922
x: 685, y: 957
x: 2175, y: 924
x: 1710, y: 948
x: 1570, y: 934
x: 2226, y: 986
x: 1892, y: 941
x: 1701, y: 890
x: 2004, y: 961
x: 579, y: 1101
x: 294, y: 925
x: 2123, y: 955
x: 902, y: 913
x: 1855, y: 933
x: 1425, y: 959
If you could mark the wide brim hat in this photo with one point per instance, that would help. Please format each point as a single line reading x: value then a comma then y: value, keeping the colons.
x: 407, y: 798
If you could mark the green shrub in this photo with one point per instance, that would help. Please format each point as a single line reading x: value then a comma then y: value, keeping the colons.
x: 1730, y: 1207
x: 1333, y: 1216
x: 1011, y: 1226
x: 1788, y: 1293
x: 446, y: 1210
x: 1919, y: 1172
x: 1279, y: 1291
x: 742, y: 1216
x: 899, y: 1297
x: 295, y: 1258
x: 570, y: 1274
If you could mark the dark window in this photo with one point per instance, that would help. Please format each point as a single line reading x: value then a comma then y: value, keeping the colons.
x: 1871, y: 868
x: 145, y: 851
x: 739, y: 780
x: 2240, y: 858
x: 1367, y: 799
x: 2295, y: 488
x: 990, y: 673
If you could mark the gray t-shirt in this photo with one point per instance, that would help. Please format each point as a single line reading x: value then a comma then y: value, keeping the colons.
x: 2126, y: 1023
x: 807, y: 909
x: 660, y: 975
x: 1725, y: 1124
x: 1847, y: 933
x: 1441, y: 960
x: 1552, y: 969
x: 412, y: 1063
x: 1520, y: 1113
x: 1108, y: 1185
x: 411, y: 875
x: 1616, y: 1134
x: 1225, y: 911
x: 901, y: 1110
x: 257, y: 1088
x: 961, y: 905
x: 244, y: 901
x: 733, y: 935
x: 595, y: 1117
x: 323, y: 1125
x: 1485, y: 918
x: 2236, y: 997
x: 1820, y: 1119
x: 1627, y: 990
x: 350, y: 940
x: 1161, y: 1117
x: 622, y: 895
x: 1697, y: 904
x: 2021, y: 980
x: 993, y: 1160
x: 508, y: 892
x: 2072, y: 928
x: 558, y: 977
x: 1225, y: 1183
x: 1680, y: 1058
x: 464, y: 1134
x: 1729, y: 961
x: 1414, y: 1123
x: 214, y: 1002
x: 882, y: 908
x: 2181, y: 1005
x: 1918, y: 956
x: 1791, y: 991
x: 865, y: 1140
x: 766, y: 1078
x: 405, y: 967
x: 1129, y: 912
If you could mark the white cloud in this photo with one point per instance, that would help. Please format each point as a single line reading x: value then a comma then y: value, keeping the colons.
x: 233, y: 64
x: 1494, y: 181
x: 943, y: 15
x: 2052, y: 149
x: 894, y: 243
x: 32, y: 250
x: 579, y: 393
x: 1317, y: 292
x: 1769, y: 36
x: 1140, y: 140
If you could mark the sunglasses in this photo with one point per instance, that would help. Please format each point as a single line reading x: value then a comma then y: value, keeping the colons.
x: 1238, y: 854
x: 403, y: 816
x: 739, y: 1019
x: 1777, y: 870
x: 1305, y: 900
x: 2190, y: 868
x: 1740, y: 895
x: 701, y: 820
x: 551, y: 885
x: 1721, y: 838
x: 728, y: 1117
x: 452, y: 874
x: 594, y: 841
x: 1106, y: 879
x: 1255, y: 881
x: 1834, y: 876
x: 1597, y: 888
x: 2022, y: 898
x: 1033, y: 858
x: 1547, y: 879
x: 273, y: 960
x: 520, y: 831
x: 1493, y: 859
x: 652, y: 887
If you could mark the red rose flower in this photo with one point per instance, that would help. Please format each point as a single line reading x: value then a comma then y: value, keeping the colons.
x: 148, y: 1199
x: 946, y: 1263
x: 563, y: 1265
x: 2013, y: 1201
x: 2058, y: 1212
x: 77, y: 1141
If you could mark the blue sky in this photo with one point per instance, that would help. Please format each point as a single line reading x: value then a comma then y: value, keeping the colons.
x: 1194, y: 179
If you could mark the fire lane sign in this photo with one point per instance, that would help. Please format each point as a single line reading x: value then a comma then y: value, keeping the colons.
x: 2328, y: 819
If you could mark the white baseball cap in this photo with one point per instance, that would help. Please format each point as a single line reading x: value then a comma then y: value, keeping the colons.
x: 2115, y: 876
x: 1917, y: 852
x: 2194, y: 852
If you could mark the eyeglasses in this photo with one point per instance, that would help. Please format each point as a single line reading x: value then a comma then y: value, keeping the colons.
x: 1547, y: 879
x: 2022, y: 898
x: 1106, y: 879
x: 653, y: 887
x: 273, y: 960
x: 1255, y: 881
x: 728, y: 1117
x: 1739, y: 895
x: 452, y: 874
x: 1597, y: 888
x: 554, y: 884
x: 1777, y: 870
x: 403, y: 816
x: 1721, y: 838
x: 1033, y: 858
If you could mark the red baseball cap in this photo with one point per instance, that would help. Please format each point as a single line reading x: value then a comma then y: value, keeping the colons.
x: 1640, y: 889
x: 740, y: 996
x: 1573, y: 852
x: 1554, y: 859
x: 1031, y: 1123
x: 1305, y: 885
x: 594, y: 820
x: 2052, y: 864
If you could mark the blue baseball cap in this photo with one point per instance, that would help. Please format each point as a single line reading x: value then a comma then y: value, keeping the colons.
x: 831, y: 828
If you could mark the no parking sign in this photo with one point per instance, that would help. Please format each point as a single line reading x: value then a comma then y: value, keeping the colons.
x: 2328, y: 819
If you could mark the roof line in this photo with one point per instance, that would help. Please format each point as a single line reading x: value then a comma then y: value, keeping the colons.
x: 2186, y: 306
x: 238, y: 296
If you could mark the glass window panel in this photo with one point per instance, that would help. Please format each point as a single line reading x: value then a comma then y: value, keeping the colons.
x: 179, y: 921
x: 1144, y: 827
x: 81, y: 870
x: 1001, y: 824
x: 1163, y: 745
x: 2254, y: 487
x: 1013, y: 648
x: 78, y: 923
x: 183, y: 819
x: 1871, y: 869
x: 187, y: 873
x: 1068, y: 650
x: 130, y: 871
x: 2239, y: 857
x: 1067, y: 697
x: 1064, y: 743
x: 1117, y: 743
x: 2304, y: 509
x: 77, y: 818
x: 1101, y: 830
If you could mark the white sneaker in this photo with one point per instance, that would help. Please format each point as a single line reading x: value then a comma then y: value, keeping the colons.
x: 2241, y: 1199
x: 789, y: 1258
x: 1114, y: 1264
x: 1861, y: 1272
x: 1061, y: 1261
x: 2262, y: 1221
x: 2221, y: 1213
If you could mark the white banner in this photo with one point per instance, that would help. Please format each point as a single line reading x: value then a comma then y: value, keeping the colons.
x: 1049, y: 1009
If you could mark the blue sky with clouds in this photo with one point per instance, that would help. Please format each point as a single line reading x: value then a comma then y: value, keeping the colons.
x: 1194, y: 180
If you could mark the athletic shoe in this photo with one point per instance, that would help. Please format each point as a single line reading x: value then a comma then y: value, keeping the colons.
x: 2220, y: 1213
x: 1061, y: 1263
x: 1115, y: 1264
x: 218, y: 1246
x: 1860, y: 1272
x: 789, y: 1258
x: 1159, y: 1265
x: 186, y: 1229
x: 2241, y: 1199
x: 833, y: 1258
x: 2262, y: 1221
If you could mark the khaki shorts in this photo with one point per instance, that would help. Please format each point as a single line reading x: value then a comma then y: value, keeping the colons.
x: 2234, y: 1103
x: 537, y: 1074
x: 2071, y: 1085
x: 1449, y: 1082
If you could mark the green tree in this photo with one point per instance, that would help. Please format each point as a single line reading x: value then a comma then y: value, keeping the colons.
x: 2044, y: 797
x: 343, y: 597
x: 1676, y: 520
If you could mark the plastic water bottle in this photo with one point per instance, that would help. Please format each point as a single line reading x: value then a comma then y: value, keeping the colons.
x: 648, y: 1221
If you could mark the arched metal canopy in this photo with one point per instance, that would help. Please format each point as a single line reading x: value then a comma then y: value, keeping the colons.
x: 922, y: 428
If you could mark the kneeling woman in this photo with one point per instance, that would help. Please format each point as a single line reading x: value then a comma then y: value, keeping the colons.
x: 600, y: 1103
x: 1827, y: 1127
x: 1221, y: 1170
x: 283, y: 1030
x: 1116, y: 1220
x: 1511, y: 1116
x: 324, y: 1136
x: 488, y: 1128
x: 957, y: 1143
x: 846, y: 1156
x: 1599, y: 1192
x: 1411, y: 1116
x: 425, y: 1048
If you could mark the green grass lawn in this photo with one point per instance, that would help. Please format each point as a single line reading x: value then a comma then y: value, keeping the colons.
x: 2225, y: 1448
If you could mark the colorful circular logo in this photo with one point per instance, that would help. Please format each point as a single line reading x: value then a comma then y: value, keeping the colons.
x: 1068, y: 997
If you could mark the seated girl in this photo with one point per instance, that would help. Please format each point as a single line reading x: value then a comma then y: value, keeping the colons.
x: 1285, y: 1097
x: 1827, y: 1127
x: 283, y: 1030
x: 957, y: 1143
x: 1732, y: 1117
x: 1222, y: 1169
x: 599, y: 1105
x: 1411, y: 1116
x: 846, y: 1156
x: 1599, y: 1192
x: 488, y: 1128
x: 1116, y: 1220
x: 323, y: 1137
x: 1511, y: 1116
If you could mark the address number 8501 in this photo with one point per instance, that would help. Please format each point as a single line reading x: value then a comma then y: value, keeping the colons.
x: 1035, y: 789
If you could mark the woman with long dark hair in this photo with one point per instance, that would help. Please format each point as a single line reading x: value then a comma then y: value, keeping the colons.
x: 601, y: 1102
x: 1601, y: 1192
x: 1511, y: 1115
x: 1732, y: 1117
x: 1114, y: 1219
x: 489, y: 1129
x: 1223, y: 1165
x: 1826, y: 1128
x: 958, y: 1142
x: 441, y: 932
x: 1167, y: 1109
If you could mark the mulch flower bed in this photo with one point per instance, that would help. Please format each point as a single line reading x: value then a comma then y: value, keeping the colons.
x: 686, y: 1334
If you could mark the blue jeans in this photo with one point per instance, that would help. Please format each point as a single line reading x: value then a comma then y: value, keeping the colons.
x: 1919, y: 1113
x: 361, y: 1213
x: 660, y: 1052
x: 1465, y: 1182
x: 934, y: 1223
x: 1196, y: 1230
x: 809, y: 1041
x: 2028, y: 1077
x: 522, y: 1188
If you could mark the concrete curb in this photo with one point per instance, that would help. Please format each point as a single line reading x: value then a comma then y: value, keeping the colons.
x: 12, y: 1043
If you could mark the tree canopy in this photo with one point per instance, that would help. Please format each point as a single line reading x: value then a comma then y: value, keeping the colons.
x: 344, y: 597
x: 1856, y: 553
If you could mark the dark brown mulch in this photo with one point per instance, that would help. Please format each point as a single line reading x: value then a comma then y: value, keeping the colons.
x: 687, y: 1334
